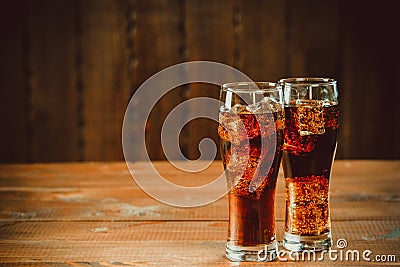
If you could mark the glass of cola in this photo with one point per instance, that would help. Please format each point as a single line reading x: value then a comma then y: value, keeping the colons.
x: 251, y: 123
x: 310, y: 140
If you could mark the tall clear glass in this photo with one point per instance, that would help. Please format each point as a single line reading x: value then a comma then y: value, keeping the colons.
x: 310, y: 140
x: 251, y: 139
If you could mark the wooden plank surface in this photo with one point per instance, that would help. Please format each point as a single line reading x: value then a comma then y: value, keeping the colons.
x: 106, y: 191
x: 115, y: 203
x: 143, y: 241
x: 93, y: 214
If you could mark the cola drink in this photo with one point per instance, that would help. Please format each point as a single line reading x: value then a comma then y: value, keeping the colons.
x: 251, y: 142
x: 311, y: 129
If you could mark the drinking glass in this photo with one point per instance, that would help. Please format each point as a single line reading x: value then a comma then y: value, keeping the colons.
x: 310, y: 140
x: 251, y: 139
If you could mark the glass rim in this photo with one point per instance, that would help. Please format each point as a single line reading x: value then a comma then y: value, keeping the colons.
x: 308, y: 81
x: 250, y: 87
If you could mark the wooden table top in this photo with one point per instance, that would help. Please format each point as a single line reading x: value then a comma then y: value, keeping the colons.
x: 94, y: 214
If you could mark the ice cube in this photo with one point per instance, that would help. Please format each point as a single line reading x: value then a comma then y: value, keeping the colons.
x: 267, y: 124
x: 232, y: 128
x: 310, y: 117
x: 274, y: 104
x: 326, y: 103
x: 238, y: 108
x: 238, y: 158
x: 266, y: 105
x: 259, y: 107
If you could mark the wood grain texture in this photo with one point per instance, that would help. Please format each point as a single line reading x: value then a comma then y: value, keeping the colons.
x: 260, y: 39
x: 370, y: 176
x: 106, y: 191
x: 93, y: 214
x: 173, y: 232
x: 157, y: 43
x: 313, y: 38
x: 362, y: 90
x: 209, y: 37
x: 44, y: 204
x: 68, y: 69
x: 54, y: 98
x: 104, y: 72
x: 14, y: 79
x: 171, y: 243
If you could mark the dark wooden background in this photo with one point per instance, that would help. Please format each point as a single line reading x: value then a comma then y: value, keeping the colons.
x: 69, y: 68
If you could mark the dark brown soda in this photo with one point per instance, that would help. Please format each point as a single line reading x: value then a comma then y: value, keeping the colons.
x: 251, y: 221
x: 251, y: 210
x: 309, y: 149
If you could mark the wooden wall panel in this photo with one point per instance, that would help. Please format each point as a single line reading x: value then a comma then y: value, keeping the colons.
x: 69, y: 67
x: 158, y: 42
x: 209, y: 36
x: 313, y: 38
x: 260, y: 44
x: 13, y: 77
x: 105, y: 77
x: 371, y: 93
x: 53, y: 102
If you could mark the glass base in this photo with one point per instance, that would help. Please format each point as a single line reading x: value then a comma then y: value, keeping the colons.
x: 300, y: 243
x: 259, y: 253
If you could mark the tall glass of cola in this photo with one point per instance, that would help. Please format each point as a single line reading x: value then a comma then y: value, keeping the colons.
x: 251, y: 139
x: 310, y: 139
